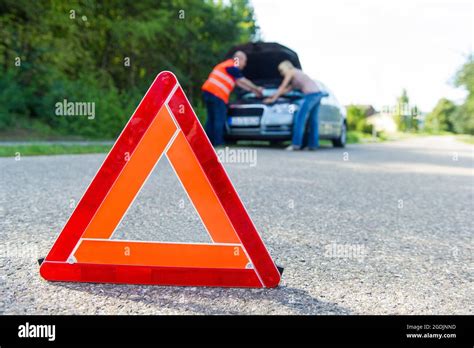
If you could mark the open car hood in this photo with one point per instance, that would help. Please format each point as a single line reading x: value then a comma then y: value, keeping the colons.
x: 262, y: 61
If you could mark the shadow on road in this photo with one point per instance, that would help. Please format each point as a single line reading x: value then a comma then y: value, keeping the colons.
x: 212, y: 300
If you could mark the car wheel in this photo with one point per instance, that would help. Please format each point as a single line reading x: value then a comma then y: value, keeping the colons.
x: 341, y: 141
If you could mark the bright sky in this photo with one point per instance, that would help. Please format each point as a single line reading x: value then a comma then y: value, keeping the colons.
x: 366, y: 51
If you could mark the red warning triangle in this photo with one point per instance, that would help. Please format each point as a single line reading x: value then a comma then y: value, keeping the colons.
x: 164, y: 124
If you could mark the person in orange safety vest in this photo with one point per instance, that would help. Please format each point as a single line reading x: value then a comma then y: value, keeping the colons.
x: 216, y: 91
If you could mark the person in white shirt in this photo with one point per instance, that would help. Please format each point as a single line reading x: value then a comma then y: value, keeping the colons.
x: 294, y: 78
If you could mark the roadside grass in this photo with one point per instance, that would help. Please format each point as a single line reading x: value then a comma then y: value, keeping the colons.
x: 44, y: 149
x: 466, y: 138
x: 404, y: 135
x: 50, y: 149
x: 354, y: 137
x: 411, y: 135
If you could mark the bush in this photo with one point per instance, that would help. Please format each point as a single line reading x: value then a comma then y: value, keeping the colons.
x: 13, y: 100
x: 109, y: 60
x: 357, y: 119
x: 355, y: 114
x: 364, y: 127
x: 200, y: 110
x: 110, y: 112
x: 353, y: 137
x: 439, y: 119
x: 463, y: 119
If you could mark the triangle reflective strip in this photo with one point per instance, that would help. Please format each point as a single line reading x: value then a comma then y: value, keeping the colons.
x: 164, y: 124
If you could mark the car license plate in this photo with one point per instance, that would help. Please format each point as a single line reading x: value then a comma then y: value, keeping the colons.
x: 244, y: 121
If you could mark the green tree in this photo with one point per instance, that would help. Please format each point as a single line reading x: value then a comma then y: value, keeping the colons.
x: 440, y: 118
x: 108, y: 53
x: 357, y: 118
x: 355, y: 115
x: 463, y: 118
x: 399, y: 116
x: 405, y: 116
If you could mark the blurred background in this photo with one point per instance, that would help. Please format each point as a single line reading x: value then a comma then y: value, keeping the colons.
x: 398, y: 66
x: 107, y: 53
x: 381, y: 227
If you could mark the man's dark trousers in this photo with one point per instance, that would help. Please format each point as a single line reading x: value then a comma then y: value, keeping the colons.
x: 216, y: 117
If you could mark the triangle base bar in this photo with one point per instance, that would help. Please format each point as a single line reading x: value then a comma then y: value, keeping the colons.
x: 146, y: 275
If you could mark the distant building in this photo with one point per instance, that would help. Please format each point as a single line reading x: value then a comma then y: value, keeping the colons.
x: 382, y: 122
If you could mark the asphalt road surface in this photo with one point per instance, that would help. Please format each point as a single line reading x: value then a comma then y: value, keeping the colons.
x: 371, y: 229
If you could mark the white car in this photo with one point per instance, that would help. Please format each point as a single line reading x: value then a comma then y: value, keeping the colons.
x: 250, y: 119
